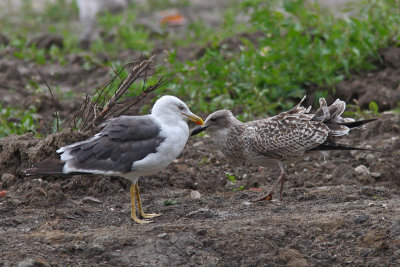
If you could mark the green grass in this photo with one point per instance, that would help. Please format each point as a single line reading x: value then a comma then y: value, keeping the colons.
x: 354, y: 111
x: 122, y: 33
x: 301, y: 48
x: 17, y: 121
x: 118, y: 32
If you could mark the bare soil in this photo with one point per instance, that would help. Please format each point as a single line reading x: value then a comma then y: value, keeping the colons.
x: 331, y: 214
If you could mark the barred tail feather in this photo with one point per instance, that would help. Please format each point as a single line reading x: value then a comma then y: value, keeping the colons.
x: 331, y: 116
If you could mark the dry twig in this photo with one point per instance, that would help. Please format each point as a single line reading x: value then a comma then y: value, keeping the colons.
x: 91, y: 113
x: 54, y: 101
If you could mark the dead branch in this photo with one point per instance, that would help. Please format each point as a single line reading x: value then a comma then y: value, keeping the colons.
x: 54, y: 101
x: 99, y: 106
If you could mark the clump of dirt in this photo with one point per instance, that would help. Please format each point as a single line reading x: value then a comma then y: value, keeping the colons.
x: 381, y: 86
x: 46, y: 41
x: 4, y: 40
x: 18, y: 152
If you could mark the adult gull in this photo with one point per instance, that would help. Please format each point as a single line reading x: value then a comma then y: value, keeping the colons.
x: 129, y: 147
x: 281, y: 138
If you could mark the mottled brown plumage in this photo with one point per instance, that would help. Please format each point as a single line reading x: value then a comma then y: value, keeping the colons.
x: 283, y: 137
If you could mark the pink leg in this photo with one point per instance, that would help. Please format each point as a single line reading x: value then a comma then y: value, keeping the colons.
x: 282, y: 176
x: 280, y: 180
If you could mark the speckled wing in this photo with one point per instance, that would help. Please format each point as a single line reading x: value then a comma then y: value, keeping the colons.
x: 284, y: 136
x: 122, y: 141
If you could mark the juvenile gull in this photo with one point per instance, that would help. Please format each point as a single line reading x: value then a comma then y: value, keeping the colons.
x: 281, y: 138
x: 129, y: 147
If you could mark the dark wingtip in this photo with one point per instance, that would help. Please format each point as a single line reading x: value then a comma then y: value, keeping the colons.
x: 46, y: 167
x: 198, y: 130
x: 355, y: 124
x: 336, y: 146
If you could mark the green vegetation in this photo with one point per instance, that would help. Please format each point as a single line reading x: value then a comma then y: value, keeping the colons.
x: 299, y: 46
x: 124, y: 33
x: 300, y: 49
x: 170, y: 202
x: 118, y: 32
x: 17, y: 121
x: 354, y: 111
x: 233, y: 182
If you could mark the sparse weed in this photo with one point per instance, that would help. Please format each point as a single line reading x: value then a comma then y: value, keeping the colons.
x: 355, y: 111
x: 373, y: 107
x: 204, y: 160
x: 170, y: 202
x: 397, y: 110
x: 233, y: 182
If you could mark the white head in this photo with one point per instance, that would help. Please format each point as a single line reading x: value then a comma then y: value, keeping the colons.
x: 170, y: 108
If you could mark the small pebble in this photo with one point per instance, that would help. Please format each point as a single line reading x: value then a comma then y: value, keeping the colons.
x: 91, y: 200
x: 195, y: 194
x: 362, y: 169
x: 370, y: 157
x: 375, y: 174
x: 197, y: 144
x: 361, y: 219
x: 202, y: 232
x: 163, y: 235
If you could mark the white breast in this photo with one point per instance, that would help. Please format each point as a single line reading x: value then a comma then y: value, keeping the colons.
x: 175, y: 140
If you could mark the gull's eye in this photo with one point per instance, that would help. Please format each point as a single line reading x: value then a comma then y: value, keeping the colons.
x: 181, y: 108
x: 213, y: 119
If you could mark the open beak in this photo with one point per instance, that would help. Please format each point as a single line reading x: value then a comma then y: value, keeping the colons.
x: 194, y: 118
x: 198, y: 130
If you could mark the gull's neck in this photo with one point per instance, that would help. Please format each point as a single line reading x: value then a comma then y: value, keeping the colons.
x: 235, y: 123
x: 228, y: 139
x: 166, y: 117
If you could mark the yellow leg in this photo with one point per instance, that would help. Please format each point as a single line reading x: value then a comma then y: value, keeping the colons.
x: 141, y: 212
x: 133, y: 208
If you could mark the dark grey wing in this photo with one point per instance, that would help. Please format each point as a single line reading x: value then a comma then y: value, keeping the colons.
x: 122, y: 141
x: 287, y: 137
x: 131, y: 128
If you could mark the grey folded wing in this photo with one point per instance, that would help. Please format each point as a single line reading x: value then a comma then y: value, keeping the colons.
x: 122, y: 141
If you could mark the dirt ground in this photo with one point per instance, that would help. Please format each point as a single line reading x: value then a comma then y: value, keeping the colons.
x: 331, y: 214
x: 334, y: 212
